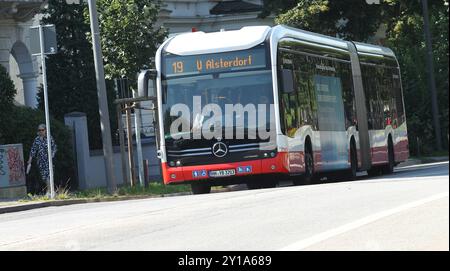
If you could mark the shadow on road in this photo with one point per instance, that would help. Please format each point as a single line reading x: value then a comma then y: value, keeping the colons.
x: 417, y: 171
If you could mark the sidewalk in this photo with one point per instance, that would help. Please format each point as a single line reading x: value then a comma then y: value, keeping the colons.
x: 9, y: 206
x: 18, y: 206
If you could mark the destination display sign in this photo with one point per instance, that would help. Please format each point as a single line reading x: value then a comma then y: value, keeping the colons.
x: 210, y: 63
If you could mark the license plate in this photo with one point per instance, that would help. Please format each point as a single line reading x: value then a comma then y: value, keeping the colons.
x: 222, y: 173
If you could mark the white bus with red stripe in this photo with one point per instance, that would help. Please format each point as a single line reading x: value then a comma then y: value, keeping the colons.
x: 337, y: 106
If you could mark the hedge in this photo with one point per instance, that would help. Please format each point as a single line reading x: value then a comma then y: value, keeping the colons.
x: 21, y: 127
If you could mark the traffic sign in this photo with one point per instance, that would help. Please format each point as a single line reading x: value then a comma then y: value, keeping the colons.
x: 50, y: 45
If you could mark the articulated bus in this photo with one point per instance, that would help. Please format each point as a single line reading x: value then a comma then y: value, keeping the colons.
x: 327, y: 105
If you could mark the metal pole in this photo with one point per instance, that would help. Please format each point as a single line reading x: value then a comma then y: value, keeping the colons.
x: 47, y: 114
x: 430, y: 73
x: 146, y: 173
x: 137, y: 125
x: 122, y: 143
x: 130, y: 146
x: 102, y: 98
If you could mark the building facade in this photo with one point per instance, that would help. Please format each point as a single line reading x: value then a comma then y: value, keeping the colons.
x: 211, y: 15
x: 17, y: 16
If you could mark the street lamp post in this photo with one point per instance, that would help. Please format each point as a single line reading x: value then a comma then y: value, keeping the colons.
x: 102, y: 98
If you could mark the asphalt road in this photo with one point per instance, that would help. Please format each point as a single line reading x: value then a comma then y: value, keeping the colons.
x: 408, y: 210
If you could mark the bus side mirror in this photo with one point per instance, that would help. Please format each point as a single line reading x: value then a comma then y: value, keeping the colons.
x: 147, y: 83
x: 288, y: 81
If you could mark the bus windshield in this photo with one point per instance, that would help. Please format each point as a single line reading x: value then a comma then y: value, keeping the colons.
x: 232, y: 88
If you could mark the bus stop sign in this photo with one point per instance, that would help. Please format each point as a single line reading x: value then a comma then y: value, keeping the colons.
x: 50, y: 46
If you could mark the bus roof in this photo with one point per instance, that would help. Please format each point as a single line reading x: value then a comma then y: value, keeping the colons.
x: 373, y: 49
x: 196, y: 43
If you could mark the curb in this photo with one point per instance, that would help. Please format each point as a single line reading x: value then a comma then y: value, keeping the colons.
x: 58, y: 203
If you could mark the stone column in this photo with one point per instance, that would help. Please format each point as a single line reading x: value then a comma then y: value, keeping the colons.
x: 30, y: 89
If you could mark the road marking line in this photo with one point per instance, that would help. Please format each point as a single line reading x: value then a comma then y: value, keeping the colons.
x: 358, y: 223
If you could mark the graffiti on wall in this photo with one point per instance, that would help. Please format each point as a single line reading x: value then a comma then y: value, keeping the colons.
x: 15, y: 164
x: 12, y: 170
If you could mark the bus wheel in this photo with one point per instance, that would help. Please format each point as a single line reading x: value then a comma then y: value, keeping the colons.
x: 309, y: 168
x: 200, y: 188
x: 389, y: 168
x: 307, y: 178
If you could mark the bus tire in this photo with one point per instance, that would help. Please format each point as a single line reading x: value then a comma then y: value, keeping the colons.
x: 200, y: 188
x: 308, y: 176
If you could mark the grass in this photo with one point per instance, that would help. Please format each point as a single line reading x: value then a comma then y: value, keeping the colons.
x: 137, y: 190
x: 153, y: 189
x: 437, y: 153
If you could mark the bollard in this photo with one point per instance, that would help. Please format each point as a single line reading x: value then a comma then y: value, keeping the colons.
x: 146, y: 177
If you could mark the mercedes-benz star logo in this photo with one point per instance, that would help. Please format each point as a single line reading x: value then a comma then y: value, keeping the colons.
x: 220, y: 149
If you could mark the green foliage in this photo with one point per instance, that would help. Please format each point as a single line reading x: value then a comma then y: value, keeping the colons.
x: 406, y: 38
x: 7, y: 90
x: 351, y: 19
x: 71, y: 79
x: 405, y: 35
x: 154, y: 188
x: 7, y: 93
x: 19, y: 125
x: 277, y: 6
x: 130, y: 42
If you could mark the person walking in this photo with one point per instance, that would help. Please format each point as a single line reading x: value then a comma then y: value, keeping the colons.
x: 39, y: 151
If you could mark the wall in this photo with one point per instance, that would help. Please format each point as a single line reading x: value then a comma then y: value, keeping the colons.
x: 90, y: 164
x: 12, y: 172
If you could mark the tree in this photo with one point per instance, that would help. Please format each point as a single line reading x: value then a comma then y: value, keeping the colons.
x: 406, y: 38
x: 277, y: 7
x: 70, y: 73
x: 129, y: 43
x: 7, y: 89
x: 356, y: 20
x: 351, y: 19
x: 7, y: 94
